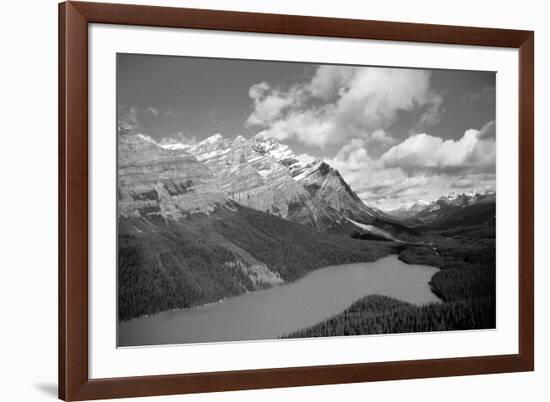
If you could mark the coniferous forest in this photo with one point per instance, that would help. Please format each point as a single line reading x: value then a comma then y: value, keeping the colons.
x: 465, y: 284
x: 294, y: 201
x: 177, y: 266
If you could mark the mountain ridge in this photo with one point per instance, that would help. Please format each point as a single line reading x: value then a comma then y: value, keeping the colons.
x: 429, y: 212
x: 201, y: 222
x: 263, y: 174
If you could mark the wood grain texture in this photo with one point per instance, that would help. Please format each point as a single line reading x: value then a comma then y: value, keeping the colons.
x: 74, y: 382
x: 526, y: 201
x: 298, y: 25
x: 73, y: 201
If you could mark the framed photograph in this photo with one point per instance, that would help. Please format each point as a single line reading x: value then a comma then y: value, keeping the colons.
x: 258, y: 200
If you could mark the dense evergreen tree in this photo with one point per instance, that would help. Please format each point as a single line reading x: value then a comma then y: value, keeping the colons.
x: 384, y: 315
x: 169, y: 265
x: 465, y: 284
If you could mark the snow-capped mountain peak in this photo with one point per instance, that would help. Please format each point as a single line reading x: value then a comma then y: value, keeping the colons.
x: 264, y: 174
x: 429, y: 211
x: 213, y: 139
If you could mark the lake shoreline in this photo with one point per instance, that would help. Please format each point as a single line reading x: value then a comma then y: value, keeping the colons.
x: 306, y: 299
x: 221, y: 300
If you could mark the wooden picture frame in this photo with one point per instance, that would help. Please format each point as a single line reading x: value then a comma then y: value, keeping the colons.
x: 74, y: 381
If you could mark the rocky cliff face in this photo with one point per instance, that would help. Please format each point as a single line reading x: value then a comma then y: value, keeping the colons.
x: 410, y: 210
x: 426, y: 212
x: 223, y: 217
x: 176, y: 180
x: 263, y: 174
x: 157, y: 181
x: 448, y: 204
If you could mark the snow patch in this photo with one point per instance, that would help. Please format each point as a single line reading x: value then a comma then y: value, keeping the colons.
x: 375, y: 230
x: 210, y: 155
x: 176, y: 147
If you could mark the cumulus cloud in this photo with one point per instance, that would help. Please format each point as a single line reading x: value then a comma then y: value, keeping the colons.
x: 269, y: 103
x: 431, y: 114
x: 474, y: 151
x: 339, y: 103
x: 329, y: 81
x: 352, y: 157
x: 487, y: 131
x: 421, y: 167
x: 382, y: 137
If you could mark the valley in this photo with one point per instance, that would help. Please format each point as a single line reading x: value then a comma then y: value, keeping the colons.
x: 280, y: 310
x: 228, y: 218
x: 166, y: 264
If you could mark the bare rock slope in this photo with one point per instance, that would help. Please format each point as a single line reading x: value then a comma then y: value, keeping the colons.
x: 265, y: 175
x: 223, y: 217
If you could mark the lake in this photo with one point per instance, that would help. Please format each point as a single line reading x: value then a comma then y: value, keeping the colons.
x: 270, y: 313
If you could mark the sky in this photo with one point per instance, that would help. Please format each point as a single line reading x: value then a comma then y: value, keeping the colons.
x: 396, y: 135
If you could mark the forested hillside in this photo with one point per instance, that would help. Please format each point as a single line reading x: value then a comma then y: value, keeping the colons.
x: 167, y: 264
x: 466, y: 284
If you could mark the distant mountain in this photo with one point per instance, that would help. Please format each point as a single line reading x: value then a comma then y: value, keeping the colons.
x: 155, y: 181
x: 188, y: 233
x: 480, y: 212
x: 409, y: 210
x: 454, y: 209
x: 450, y: 205
x: 265, y: 175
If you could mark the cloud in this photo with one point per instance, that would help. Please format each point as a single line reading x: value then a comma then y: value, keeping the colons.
x: 143, y: 120
x: 352, y: 156
x: 473, y: 152
x: 137, y: 117
x: 487, y: 131
x: 432, y: 112
x: 339, y: 103
x: 381, y: 137
x: 408, y: 189
x: 179, y: 138
x: 329, y: 81
x: 154, y: 111
x: 257, y: 91
x: 305, y: 158
x: 270, y: 103
x: 422, y: 167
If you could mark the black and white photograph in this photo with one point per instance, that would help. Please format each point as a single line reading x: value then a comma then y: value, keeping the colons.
x: 269, y: 200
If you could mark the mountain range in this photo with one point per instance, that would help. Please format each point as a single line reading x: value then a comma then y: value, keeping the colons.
x: 265, y: 175
x: 449, y: 210
x: 201, y: 222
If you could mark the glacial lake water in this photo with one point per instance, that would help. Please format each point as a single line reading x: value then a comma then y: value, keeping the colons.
x: 271, y: 313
